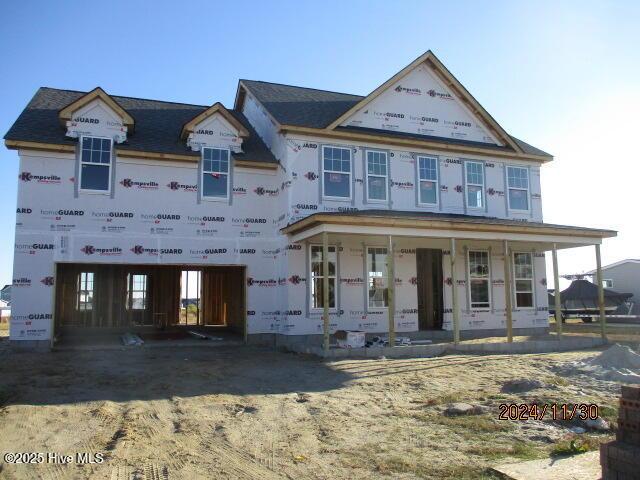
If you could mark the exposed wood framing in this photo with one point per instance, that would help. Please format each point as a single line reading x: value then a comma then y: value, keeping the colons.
x: 603, y: 318
x: 556, y: 281
x: 325, y: 291
x: 454, y: 293
x: 391, y: 289
x: 508, y: 292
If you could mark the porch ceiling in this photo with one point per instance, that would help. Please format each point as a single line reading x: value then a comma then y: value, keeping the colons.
x: 435, y: 225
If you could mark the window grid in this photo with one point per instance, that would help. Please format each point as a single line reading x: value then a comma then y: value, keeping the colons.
x: 475, y: 184
x: 518, y: 185
x: 336, y: 179
x: 377, y: 284
x: 377, y: 175
x: 85, y: 291
x: 137, y: 292
x: 523, y: 277
x: 428, y: 180
x: 215, y: 173
x: 95, y: 164
x: 317, y: 277
x: 479, y: 279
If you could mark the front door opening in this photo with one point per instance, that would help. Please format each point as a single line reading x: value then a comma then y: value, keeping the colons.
x: 430, y: 299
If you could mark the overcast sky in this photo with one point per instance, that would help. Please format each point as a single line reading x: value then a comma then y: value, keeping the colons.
x: 563, y: 76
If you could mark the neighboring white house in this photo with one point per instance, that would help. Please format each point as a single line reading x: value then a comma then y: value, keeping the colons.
x: 5, y: 310
x: 622, y: 276
x: 118, y: 197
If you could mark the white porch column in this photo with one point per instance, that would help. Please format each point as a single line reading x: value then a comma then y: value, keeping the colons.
x: 391, y: 289
x: 556, y: 281
x: 507, y: 290
x: 603, y: 320
x: 454, y: 294
x: 325, y: 290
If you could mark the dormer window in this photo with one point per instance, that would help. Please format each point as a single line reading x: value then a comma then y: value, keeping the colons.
x: 215, y: 174
x: 95, y: 164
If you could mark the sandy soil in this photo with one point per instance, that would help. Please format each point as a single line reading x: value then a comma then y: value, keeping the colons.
x: 247, y: 413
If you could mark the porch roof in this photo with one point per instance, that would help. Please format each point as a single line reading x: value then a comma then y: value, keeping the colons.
x: 442, y: 225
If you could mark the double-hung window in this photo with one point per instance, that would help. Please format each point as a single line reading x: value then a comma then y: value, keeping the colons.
x: 479, y: 279
x: 84, y: 301
x: 427, y: 181
x: 336, y: 173
x: 523, y: 276
x: 95, y: 164
x: 377, y: 176
x: 377, y: 290
x: 215, y: 173
x: 518, y: 185
x: 475, y: 184
x: 136, y: 292
x: 317, y: 277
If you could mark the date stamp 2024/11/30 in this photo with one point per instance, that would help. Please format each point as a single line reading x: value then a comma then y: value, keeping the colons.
x: 554, y: 411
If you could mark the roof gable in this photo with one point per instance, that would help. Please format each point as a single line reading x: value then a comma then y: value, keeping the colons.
x: 437, y: 94
x: 214, y: 110
x: 67, y: 112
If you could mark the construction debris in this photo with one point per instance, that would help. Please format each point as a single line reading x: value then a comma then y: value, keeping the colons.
x: 461, y: 408
x: 521, y: 385
x: 620, y: 459
x: 131, y: 339
x: 618, y: 363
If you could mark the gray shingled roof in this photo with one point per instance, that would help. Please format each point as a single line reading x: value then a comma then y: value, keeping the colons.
x: 157, y: 125
x: 309, y: 107
x: 454, y: 217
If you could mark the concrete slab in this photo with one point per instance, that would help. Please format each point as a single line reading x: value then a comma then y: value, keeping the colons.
x: 577, y: 467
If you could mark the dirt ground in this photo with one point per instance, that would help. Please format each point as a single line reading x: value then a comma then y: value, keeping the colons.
x: 247, y: 413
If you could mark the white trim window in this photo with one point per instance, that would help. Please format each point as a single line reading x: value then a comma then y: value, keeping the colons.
x: 316, y: 290
x: 336, y: 173
x: 479, y: 279
x: 518, y: 186
x: 607, y: 283
x: 84, y: 300
x: 523, y: 277
x: 474, y: 178
x: 428, y: 182
x: 215, y: 173
x: 377, y: 176
x: 136, y: 291
x: 377, y: 279
x: 95, y: 164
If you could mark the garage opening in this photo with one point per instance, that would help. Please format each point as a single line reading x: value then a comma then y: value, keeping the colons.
x: 95, y: 298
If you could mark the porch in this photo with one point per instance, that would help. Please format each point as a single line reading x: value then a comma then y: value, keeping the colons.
x: 496, y: 287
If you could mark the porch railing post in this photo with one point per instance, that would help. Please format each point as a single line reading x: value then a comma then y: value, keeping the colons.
x: 556, y: 281
x: 454, y: 294
x: 325, y: 290
x: 391, y: 293
x: 603, y: 319
x: 507, y: 291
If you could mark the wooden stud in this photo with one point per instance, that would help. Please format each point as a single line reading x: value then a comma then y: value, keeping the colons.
x: 454, y: 295
x: 556, y: 281
x: 507, y: 290
x: 325, y: 290
x: 603, y: 319
x: 391, y: 293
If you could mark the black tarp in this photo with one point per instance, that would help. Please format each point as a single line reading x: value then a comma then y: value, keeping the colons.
x: 583, y: 295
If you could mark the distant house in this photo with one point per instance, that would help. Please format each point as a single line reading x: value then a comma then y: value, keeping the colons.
x: 622, y: 276
x: 5, y: 294
x: 5, y: 310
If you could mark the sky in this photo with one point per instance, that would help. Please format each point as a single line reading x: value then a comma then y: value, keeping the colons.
x: 563, y: 76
